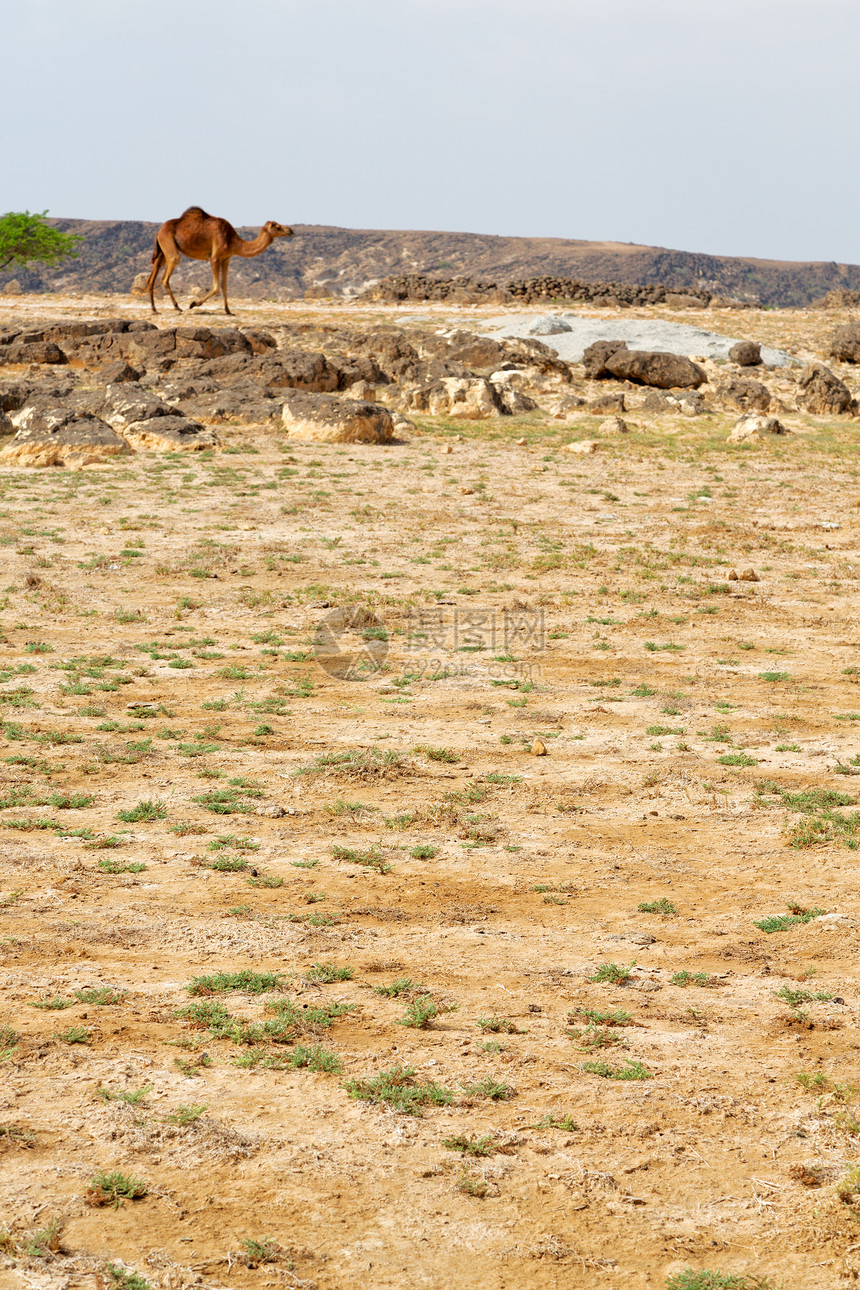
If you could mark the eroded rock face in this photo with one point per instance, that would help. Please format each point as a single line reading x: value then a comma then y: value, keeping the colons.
x: 325, y: 418
x: 845, y: 345
x: 653, y: 367
x: 61, y: 437
x: 745, y: 395
x: 821, y: 392
x: 35, y: 351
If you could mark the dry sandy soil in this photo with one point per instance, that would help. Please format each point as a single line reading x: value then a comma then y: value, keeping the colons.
x: 620, y: 1073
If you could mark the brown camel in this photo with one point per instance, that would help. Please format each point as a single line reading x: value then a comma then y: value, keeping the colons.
x: 204, y: 237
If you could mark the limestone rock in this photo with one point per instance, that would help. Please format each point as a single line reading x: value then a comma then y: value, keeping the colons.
x: 583, y: 446
x: 748, y: 575
x: 61, y: 437
x: 539, y: 748
x: 822, y: 392
x: 327, y: 418
x: 123, y: 407
x: 13, y: 288
x: 755, y: 427
x: 653, y: 367
x: 746, y: 353
x: 462, y: 398
x: 508, y: 386
x: 741, y: 393
x: 138, y: 286
x: 169, y: 434
x: 845, y: 345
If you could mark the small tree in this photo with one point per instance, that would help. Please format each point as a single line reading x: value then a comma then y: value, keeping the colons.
x: 25, y: 238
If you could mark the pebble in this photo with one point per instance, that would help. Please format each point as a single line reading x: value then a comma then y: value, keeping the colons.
x: 539, y: 748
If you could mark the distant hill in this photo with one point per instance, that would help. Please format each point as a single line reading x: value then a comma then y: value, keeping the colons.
x: 346, y: 260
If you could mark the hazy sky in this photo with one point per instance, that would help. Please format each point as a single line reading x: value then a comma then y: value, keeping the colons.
x: 728, y: 127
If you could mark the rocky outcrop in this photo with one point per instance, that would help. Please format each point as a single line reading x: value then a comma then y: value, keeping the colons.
x: 34, y: 351
x: 595, y: 356
x: 821, y: 392
x: 326, y: 418
x: 61, y: 437
x: 746, y: 353
x: 466, y: 290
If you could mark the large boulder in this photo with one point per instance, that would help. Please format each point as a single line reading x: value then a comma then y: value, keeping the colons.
x: 169, y: 434
x: 595, y: 357
x: 653, y: 367
x: 746, y: 353
x: 122, y: 406
x: 61, y: 437
x: 845, y: 345
x: 326, y: 418
x: 822, y: 393
x: 285, y: 369
x: 744, y: 395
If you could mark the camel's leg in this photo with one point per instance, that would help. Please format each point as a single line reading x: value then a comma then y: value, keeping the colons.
x: 216, y: 286
x: 157, y: 265
x: 172, y: 262
x: 225, y: 265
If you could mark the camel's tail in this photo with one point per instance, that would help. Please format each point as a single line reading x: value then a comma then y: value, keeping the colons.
x: 157, y: 254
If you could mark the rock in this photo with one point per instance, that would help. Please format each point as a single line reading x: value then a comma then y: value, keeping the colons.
x: 583, y: 446
x: 608, y: 403
x: 169, y: 434
x: 13, y: 288
x: 748, y: 575
x: 245, y: 402
x: 743, y: 394
x: 746, y: 353
x: 732, y: 575
x: 539, y: 748
x: 402, y: 424
x: 689, y: 402
x: 285, y: 369
x: 138, y: 286
x: 845, y: 345
x: 752, y: 426
x: 549, y: 325
x: 122, y: 407
x: 653, y: 367
x: 328, y: 418
x: 361, y: 390
x: 563, y: 405
x: 61, y: 437
x: 273, y: 812
x: 679, y: 300
x: 614, y: 425
x: 595, y: 357
x: 37, y: 351
x: 822, y: 393
x: 508, y: 388
x: 463, y: 398
x: 6, y: 426
x: 119, y: 373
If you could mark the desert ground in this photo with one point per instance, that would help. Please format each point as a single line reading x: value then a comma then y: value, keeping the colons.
x: 518, y: 950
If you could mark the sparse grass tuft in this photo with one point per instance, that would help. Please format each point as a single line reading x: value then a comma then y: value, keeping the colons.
x: 114, y: 1188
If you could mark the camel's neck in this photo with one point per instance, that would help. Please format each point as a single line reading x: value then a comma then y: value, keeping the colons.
x: 255, y: 246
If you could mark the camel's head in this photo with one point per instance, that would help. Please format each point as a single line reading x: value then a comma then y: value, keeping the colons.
x: 277, y: 230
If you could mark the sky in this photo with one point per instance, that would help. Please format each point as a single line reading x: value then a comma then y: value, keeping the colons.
x: 727, y: 127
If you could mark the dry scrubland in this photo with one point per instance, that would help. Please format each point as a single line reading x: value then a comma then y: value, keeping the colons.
x: 318, y: 982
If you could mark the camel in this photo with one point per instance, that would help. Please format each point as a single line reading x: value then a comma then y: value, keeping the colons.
x: 204, y: 237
